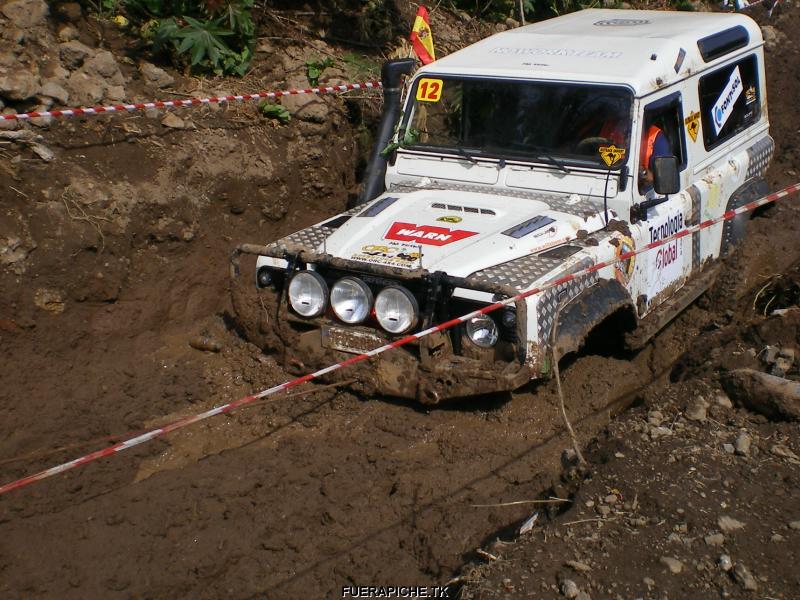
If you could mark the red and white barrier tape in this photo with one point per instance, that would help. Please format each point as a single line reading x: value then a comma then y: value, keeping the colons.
x: 98, y: 110
x: 161, y: 431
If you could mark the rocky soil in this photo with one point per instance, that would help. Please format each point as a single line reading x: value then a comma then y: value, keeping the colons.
x: 114, y: 317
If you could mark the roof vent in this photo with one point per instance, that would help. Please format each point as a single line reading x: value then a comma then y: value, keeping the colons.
x: 466, y: 209
x: 529, y: 226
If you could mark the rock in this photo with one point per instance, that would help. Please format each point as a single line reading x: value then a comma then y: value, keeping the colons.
x: 569, y: 589
x: 773, y: 38
x: 115, y: 92
x: 673, y: 564
x: 716, y: 539
x: 728, y: 448
x: 794, y: 525
x: 728, y: 524
x: 742, y: 444
x: 769, y: 354
x: 43, y: 122
x: 14, y: 252
x: 657, y: 432
x: 649, y: 582
x: 611, y: 499
x: 85, y: 89
x: 721, y: 398
x: 306, y: 108
x: 104, y: 65
x: 173, y: 121
x: 603, y: 510
x: 43, y: 152
x: 784, y: 452
x: 781, y: 366
x: 696, y: 411
x: 725, y: 563
x: 25, y: 13
x: 774, y: 397
x: 744, y: 578
x: 583, y: 596
x: 19, y: 84
x: 68, y: 33
x: 655, y: 418
x: 777, y: 538
x: 578, y: 566
x: 205, y: 343
x: 70, y: 11
x: 49, y: 299
x: 73, y: 53
x: 156, y: 76
x: 52, y: 90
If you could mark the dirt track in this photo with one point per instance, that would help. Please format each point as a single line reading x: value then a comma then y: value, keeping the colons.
x: 291, y: 498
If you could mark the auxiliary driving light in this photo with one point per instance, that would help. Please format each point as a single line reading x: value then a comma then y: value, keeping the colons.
x: 308, y: 293
x: 351, y: 300
x: 396, y: 309
x: 482, y: 331
x: 264, y: 277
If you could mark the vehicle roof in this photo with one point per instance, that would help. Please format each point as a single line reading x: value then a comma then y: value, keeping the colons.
x: 638, y: 48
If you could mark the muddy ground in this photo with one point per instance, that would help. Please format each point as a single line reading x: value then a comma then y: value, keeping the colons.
x: 124, y: 239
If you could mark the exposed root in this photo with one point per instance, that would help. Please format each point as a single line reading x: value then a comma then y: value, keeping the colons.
x: 76, y: 212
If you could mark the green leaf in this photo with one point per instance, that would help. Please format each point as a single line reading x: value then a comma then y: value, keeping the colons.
x: 275, y: 111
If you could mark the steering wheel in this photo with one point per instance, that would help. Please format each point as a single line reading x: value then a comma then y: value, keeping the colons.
x: 591, y: 144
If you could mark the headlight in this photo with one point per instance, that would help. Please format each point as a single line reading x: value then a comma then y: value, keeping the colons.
x: 396, y: 309
x: 308, y: 293
x: 351, y: 300
x: 482, y: 331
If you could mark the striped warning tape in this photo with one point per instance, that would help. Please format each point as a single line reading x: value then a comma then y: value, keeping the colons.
x: 179, y: 424
x: 99, y: 110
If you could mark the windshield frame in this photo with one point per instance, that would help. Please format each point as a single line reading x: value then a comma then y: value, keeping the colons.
x: 546, y: 157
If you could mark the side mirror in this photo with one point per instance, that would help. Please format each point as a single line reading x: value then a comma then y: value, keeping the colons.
x: 666, y: 179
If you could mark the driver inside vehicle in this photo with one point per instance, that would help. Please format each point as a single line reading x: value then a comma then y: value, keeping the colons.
x: 601, y: 121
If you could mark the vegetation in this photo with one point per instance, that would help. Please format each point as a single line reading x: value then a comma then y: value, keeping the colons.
x: 215, y: 36
x: 275, y: 111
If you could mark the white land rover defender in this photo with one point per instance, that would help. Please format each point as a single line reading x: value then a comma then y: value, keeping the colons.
x: 529, y: 155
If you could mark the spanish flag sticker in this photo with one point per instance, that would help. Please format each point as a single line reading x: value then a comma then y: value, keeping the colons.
x: 422, y: 38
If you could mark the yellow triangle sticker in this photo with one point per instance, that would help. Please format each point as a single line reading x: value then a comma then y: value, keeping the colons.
x: 611, y: 155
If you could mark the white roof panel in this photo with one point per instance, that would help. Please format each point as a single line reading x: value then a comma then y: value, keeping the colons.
x: 642, y: 49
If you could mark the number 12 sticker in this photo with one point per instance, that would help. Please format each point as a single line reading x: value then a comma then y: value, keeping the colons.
x: 429, y: 90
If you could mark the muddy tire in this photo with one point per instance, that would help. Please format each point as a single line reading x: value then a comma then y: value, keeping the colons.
x: 734, y: 231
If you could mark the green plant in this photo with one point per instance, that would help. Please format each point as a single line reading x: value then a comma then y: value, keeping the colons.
x: 314, y: 69
x: 275, y: 111
x: 213, y: 35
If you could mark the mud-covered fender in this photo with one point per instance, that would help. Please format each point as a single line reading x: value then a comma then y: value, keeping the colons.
x: 733, y: 231
x: 587, y: 310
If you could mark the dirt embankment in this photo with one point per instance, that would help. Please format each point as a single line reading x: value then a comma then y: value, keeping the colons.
x: 114, y: 261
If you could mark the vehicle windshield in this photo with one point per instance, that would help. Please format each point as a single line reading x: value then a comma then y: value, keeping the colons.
x: 537, y: 121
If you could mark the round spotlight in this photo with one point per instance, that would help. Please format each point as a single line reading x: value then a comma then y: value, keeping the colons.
x: 264, y: 277
x: 308, y: 294
x: 396, y: 309
x: 351, y: 300
x: 509, y: 318
x: 482, y: 331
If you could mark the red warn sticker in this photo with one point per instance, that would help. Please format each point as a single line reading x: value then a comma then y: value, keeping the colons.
x: 426, y: 234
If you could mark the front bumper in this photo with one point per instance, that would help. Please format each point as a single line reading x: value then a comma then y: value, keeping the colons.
x: 429, y: 370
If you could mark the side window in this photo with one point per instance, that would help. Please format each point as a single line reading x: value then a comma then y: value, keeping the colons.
x: 662, y: 135
x: 729, y: 101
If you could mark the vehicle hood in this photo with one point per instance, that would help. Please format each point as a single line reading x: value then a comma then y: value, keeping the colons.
x: 458, y: 232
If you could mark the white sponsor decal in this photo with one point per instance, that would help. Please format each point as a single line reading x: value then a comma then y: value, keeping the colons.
x: 569, y: 52
x: 723, y: 107
x: 665, y: 263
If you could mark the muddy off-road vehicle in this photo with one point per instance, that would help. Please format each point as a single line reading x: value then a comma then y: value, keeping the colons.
x: 529, y: 155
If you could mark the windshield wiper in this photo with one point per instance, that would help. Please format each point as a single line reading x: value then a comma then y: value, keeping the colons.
x: 462, y: 152
x: 542, y: 153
